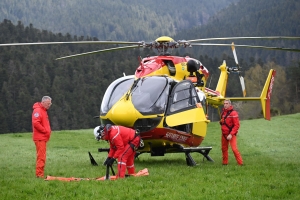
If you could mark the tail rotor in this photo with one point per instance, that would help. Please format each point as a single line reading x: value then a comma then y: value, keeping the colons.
x: 237, y: 69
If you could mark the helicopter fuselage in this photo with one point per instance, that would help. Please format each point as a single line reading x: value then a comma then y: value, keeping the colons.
x: 167, y: 109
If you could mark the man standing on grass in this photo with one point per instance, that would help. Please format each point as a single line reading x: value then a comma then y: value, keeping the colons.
x: 230, y: 125
x: 41, y: 133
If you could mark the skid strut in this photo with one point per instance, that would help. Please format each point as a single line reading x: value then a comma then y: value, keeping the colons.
x: 202, y: 150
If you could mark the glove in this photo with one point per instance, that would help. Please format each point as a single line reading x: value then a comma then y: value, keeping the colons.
x: 98, y: 138
x: 221, y: 121
x: 107, y: 159
x: 110, y: 161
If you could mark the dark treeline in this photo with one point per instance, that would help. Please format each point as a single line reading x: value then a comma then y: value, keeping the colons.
x: 130, y: 20
x: 77, y: 85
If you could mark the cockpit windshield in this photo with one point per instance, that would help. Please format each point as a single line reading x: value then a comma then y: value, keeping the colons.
x: 115, y: 91
x: 150, y: 95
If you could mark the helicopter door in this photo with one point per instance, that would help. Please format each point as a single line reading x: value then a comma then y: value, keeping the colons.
x: 184, y: 106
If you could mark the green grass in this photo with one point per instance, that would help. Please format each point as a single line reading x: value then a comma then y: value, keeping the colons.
x: 269, y: 149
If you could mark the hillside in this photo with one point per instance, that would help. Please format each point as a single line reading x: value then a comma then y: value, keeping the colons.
x: 268, y: 148
x: 252, y: 18
x: 112, y: 20
x: 146, y: 20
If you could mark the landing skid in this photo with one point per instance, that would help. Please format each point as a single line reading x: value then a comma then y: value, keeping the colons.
x: 187, y: 150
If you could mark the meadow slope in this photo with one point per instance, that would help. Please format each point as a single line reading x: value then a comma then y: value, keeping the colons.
x: 269, y: 149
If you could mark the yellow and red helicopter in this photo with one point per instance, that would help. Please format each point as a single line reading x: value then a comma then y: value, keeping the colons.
x: 167, y: 98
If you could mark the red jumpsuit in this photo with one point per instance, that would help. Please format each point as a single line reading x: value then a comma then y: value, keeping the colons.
x: 41, y: 135
x: 230, y: 125
x: 119, y: 138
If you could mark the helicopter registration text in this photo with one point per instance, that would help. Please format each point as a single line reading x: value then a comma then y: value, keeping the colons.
x: 176, y: 137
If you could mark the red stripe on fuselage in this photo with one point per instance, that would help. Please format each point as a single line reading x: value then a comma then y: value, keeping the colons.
x: 172, y: 136
x: 212, y: 92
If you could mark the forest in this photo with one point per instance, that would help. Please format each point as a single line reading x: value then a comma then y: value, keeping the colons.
x: 258, y: 18
x: 112, y: 20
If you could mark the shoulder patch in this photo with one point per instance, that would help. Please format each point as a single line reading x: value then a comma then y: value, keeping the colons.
x: 36, y: 114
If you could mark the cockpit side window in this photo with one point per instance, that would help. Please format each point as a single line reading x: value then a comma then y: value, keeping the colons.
x: 183, y: 97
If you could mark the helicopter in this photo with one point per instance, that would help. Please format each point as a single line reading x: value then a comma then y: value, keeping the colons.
x: 167, y: 98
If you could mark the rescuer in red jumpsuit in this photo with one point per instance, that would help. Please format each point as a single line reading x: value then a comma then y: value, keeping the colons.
x: 123, y: 144
x: 230, y: 125
x: 41, y: 133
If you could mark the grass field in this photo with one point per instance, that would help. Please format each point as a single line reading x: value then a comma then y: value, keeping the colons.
x: 269, y: 149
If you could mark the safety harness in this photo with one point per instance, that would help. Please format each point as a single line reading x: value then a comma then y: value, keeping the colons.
x: 137, y: 134
x: 223, y: 120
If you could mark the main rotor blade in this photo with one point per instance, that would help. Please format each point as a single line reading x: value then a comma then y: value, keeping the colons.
x: 75, y: 42
x: 249, y: 46
x: 99, y: 51
x: 234, y: 53
x: 242, y: 81
x: 243, y: 38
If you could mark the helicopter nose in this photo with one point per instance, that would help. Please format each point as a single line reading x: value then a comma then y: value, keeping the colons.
x: 123, y: 113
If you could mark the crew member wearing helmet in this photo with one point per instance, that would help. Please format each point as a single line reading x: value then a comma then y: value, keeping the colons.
x: 123, y: 144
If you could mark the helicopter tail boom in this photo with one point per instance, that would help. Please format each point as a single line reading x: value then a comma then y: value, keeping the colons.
x: 265, y: 97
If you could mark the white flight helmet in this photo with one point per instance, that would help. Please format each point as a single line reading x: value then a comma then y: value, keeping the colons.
x: 96, y: 132
x: 99, y: 132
